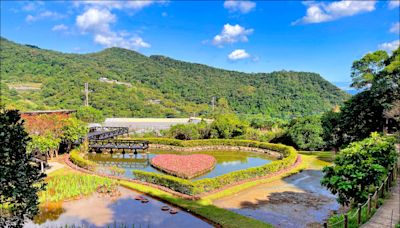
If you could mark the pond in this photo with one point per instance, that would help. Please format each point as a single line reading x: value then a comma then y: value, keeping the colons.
x: 123, y: 211
x: 293, y: 202
x: 227, y: 161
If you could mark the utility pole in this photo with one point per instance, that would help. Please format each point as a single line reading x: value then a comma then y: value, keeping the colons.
x: 86, y: 94
x: 213, y: 103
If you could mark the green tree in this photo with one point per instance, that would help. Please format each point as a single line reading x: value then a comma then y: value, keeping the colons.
x: 365, y: 112
x: 89, y: 114
x: 73, y: 130
x: 184, y: 132
x: 44, y: 143
x: 359, y: 168
x: 306, y: 133
x: 20, y: 180
x: 227, y: 126
x: 330, y: 123
x: 366, y: 70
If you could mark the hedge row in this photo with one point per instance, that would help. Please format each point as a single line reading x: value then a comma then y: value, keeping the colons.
x: 81, y: 162
x: 209, y: 184
x: 215, y: 142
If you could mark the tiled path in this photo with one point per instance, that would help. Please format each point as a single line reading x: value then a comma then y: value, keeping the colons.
x: 388, y: 215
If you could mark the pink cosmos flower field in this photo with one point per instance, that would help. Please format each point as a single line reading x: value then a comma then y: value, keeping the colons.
x: 184, y: 166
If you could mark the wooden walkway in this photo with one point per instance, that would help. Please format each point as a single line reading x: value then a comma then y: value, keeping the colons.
x: 388, y: 215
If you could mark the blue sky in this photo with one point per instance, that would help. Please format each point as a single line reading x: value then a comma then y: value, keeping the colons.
x: 251, y: 36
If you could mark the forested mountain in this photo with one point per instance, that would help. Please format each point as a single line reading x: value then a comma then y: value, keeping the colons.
x: 34, y: 78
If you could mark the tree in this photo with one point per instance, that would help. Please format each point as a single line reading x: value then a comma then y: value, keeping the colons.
x: 73, y: 130
x: 227, y: 126
x: 184, y: 132
x: 89, y: 114
x: 306, y: 133
x: 47, y: 144
x: 393, y: 112
x: 379, y: 77
x: 359, y: 168
x: 366, y: 70
x: 20, y: 180
x: 329, y: 122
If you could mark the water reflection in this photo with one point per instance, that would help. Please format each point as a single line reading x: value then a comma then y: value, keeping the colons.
x: 295, y: 201
x: 95, y: 211
x: 227, y: 161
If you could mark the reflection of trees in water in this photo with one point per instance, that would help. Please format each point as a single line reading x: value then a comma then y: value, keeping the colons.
x: 141, y: 160
x: 49, y: 212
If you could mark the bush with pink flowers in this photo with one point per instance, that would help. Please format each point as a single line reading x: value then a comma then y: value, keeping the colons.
x: 184, y: 166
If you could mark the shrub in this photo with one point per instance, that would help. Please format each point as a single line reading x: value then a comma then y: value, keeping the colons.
x: 209, y: 184
x: 360, y: 167
x: 227, y: 126
x: 184, y: 132
x: 78, y: 160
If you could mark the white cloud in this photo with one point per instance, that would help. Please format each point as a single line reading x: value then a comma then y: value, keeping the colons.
x: 44, y: 15
x: 95, y: 20
x: 31, y: 6
x: 60, y: 27
x: 394, y: 4
x: 131, y: 5
x: 238, y: 54
x: 232, y: 34
x: 323, y: 12
x: 395, y: 28
x: 98, y: 21
x: 390, y: 46
x: 113, y: 39
x: 239, y: 6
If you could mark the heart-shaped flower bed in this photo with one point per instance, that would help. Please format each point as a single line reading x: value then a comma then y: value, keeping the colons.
x: 184, y: 166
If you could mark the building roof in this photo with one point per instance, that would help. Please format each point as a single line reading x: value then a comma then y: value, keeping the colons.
x: 36, y: 112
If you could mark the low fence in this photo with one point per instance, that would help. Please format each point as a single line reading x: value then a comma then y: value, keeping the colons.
x: 354, y: 218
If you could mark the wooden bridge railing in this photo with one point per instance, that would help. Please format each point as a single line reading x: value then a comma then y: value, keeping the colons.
x: 119, y: 144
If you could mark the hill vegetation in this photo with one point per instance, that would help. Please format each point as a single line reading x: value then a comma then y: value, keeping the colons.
x: 161, y: 86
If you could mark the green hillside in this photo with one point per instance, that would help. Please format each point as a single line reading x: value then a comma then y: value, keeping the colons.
x: 157, y: 86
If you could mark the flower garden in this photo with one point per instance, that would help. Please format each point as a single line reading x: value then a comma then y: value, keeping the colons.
x: 184, y: 166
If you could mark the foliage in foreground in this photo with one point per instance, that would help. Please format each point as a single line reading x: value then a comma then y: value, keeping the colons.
x: 359, y: 168
x: 20, y: 179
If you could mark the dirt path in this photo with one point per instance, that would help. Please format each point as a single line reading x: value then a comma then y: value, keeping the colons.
x: 54, y: 166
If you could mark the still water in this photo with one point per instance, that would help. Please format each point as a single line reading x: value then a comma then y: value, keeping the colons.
x: 227, y: 161
x: 123, y: 211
